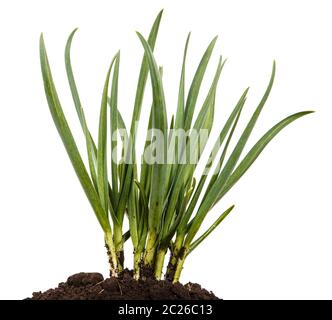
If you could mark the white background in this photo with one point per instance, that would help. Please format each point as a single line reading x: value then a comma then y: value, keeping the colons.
x: 277, y: 242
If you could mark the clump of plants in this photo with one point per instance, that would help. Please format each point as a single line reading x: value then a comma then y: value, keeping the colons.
x: 159, y: 192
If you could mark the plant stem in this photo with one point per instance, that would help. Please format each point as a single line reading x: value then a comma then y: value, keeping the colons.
x: 118, y: 243
x: 111, y: 254
x: 179, y: 265
x: 171, y: 267
x: 137, y: 263
x: 158, y: 268
x: 178, y: 270
x: 174, y: 257
x: 150, y: 249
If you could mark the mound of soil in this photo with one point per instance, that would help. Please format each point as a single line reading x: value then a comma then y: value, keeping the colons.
x: 92, y: 286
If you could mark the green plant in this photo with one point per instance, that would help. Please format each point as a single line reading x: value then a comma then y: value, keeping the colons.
x: 162, y: 201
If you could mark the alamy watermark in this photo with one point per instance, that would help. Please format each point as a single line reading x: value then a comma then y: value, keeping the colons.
x: 176, y: 146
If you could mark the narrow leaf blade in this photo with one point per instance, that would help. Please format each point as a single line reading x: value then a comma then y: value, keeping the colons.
x: 208, y: 232
x: 256, y: 150
x: 68, y: 139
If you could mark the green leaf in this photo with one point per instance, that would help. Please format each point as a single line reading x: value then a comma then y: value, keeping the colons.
x: 179, y: 120
x: 145, y: 167
x: 68, y: 139
x: 102, y: 174
x: 207, y: 232
x: 159, y: 107
x: 128, y: 169
x: 114, y: 127
x: 159, y: 123
x: 90, y: 144
x: 196, y: 84
x: 257, y: 149
x: 144, y: 74
x: 144, y: 198
x: 229, y: 125
x: 134, y: 212
x: 224, y: 152
x: 142, y: 218
x: 185, y: 170
x: 213, y: 193
x: 124, y: 139
x: 126, y: 236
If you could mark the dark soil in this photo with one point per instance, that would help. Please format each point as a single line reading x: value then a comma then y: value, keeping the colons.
x: 92, y: 286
